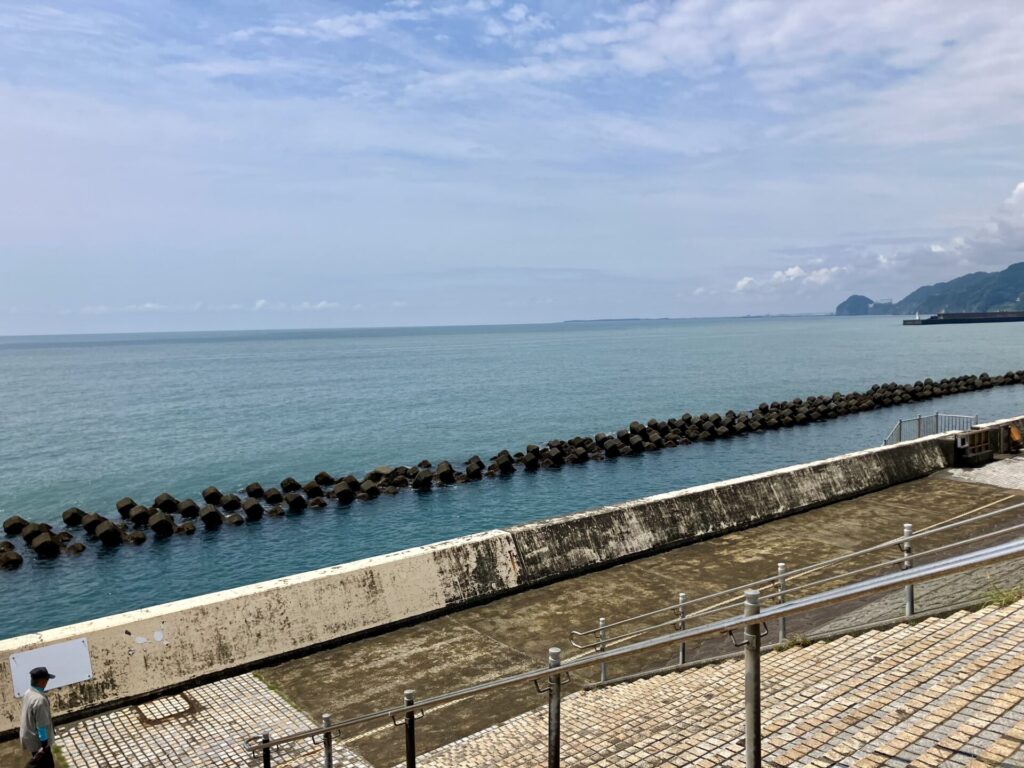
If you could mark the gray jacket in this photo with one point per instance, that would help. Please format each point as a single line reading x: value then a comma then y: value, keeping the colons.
x: 35, y: 714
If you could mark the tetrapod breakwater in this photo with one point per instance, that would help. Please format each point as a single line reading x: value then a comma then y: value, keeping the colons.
x: 132, y: 522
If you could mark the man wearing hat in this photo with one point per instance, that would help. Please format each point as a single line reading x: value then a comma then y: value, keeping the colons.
x: 36, y: 724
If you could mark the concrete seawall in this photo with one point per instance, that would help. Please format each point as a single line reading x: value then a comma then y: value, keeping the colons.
x: 144, y: 652
x: 562, y: 546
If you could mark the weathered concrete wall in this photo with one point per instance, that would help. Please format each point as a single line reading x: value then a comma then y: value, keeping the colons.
x: 155, y: 649
x: 562, y: 546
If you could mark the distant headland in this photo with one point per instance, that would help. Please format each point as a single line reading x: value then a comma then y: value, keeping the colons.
x: 976, y: 292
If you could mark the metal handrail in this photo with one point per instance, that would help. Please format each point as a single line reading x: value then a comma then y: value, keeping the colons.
x: 940, y: 610
x: 606, y: 641
x: 796, y: 573
x: 939, y: 423
x: 873, y: 586
x: 901, y: 559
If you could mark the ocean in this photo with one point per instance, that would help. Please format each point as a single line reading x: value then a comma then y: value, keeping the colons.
x: 85, y: 420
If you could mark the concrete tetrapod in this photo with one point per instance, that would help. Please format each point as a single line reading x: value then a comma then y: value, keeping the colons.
x: 124, y: 506
x: 210, y: 517
x: 108, y: 534
x: 252, y: 509
x: 14, y: 524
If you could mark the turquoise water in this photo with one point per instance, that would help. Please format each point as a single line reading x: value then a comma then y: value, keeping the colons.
x: 86, y: 420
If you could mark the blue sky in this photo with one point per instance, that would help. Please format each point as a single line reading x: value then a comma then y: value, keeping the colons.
x: 206, y: 165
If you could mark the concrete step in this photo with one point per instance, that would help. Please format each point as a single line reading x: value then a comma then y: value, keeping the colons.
x: 944, y: 691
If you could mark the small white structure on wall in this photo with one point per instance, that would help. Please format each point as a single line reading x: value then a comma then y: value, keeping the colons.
x: 68, y: 661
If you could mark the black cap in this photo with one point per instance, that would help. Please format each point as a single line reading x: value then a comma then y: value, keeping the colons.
x: 39, y: 672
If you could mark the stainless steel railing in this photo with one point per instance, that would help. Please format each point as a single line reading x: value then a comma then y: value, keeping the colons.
x: 934, y: 424
x: 786, y: 582
x: 752, y: 621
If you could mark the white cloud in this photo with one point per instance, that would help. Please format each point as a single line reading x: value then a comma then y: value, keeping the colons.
x: 290, y: 138
x: 1015, y: 202
x: 341, y: 27
x: 144, y: 307
x: 494, y: 28
x: 233, y: 66
x: 801, y: 276
x: 822, y: 276
x: 791, y: 278
x: 878, y: 77
x: 992, y: 246
x: 347, y: 26
x: 517, y: 13
x: 744, y: 284
x: 787, y: 275
x: 257, y: 306
x: 481, y: 6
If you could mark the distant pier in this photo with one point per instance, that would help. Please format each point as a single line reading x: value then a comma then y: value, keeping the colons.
x: 957, y: 318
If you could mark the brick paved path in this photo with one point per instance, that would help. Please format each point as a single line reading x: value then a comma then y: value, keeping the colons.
x: 944, y: 692
x: 1007, y: 473
x: 203, y: 727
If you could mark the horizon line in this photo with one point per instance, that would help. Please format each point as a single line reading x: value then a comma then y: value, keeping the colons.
x: 580, y: 321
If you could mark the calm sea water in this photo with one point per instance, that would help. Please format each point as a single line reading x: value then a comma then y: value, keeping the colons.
x: 86, y: 420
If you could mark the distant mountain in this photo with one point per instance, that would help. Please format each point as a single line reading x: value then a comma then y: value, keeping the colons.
x: 858, y: 305
x: 976, y: 292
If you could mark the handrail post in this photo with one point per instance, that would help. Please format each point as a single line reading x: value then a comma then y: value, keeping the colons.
x: 328, y: 743
x: 410, y: 730
x: 782, y: 599
x: 908, y: 563
x: 602, y: 636
x: 266, y: 750
x: 682, y: 625
x: 554, y: 708
x: 752, y: 678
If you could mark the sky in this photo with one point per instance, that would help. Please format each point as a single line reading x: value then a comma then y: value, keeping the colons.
x: 256, y: 164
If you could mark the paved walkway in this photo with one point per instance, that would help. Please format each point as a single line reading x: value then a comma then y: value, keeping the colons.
x: 202, y: 728
x: 1007, y: 473
x: 944, y: 692
x: 513, y: 633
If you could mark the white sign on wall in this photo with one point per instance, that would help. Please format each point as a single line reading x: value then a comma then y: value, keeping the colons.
x: 68, y: 661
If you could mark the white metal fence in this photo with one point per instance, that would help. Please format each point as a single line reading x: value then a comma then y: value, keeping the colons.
x: 922, y: 426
